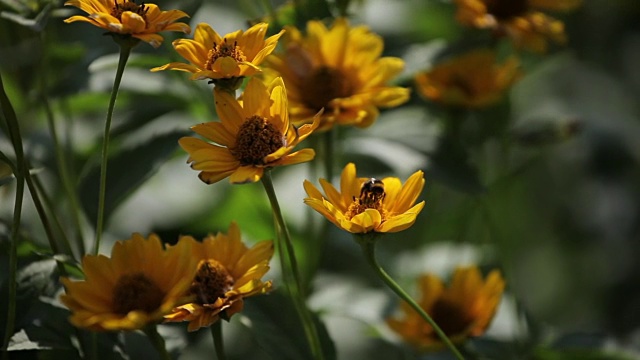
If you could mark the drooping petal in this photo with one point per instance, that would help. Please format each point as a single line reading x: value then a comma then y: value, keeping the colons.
x: 246, y: 174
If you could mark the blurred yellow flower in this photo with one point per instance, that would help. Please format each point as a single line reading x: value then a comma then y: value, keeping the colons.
x: 138, y: 285
x: 227, y: 273
x: 473, y: 80
x: 520, y: 20
x: 366, y: 204
x: 253, y: 135
x: 211, y: 56
x: 462, y: 310
x: 338, y: 69
x: 125, y: 17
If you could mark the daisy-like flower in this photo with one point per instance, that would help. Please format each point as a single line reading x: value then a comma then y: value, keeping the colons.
x: 125, y: 17
x: 520, y: 20
x: 462, y: 310
x: 138, y: 285
x: 473, y: 80
x: 366, y: 204
x: 234, y: 55
x: 227, y: 273
x: 253, y: 135
x: 339, y: 70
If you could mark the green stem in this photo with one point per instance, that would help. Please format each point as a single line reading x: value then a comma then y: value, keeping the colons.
x: 64, y: 174
x: 216, y: 333
x: 290, y: 269
x: 326, y: 145
x: 35, y: 183
x: 368, y: 248
x: 61, y: 160
x: 272, y: 13
x: 125, y: 50
x: 19, y: 170
x: 328, y: 156
x: 13, y: 262
x: 157, y: 341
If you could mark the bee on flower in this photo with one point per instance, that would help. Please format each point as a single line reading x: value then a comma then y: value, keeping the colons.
x: 367, y: 204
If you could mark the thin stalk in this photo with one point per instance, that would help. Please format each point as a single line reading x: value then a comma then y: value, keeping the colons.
x: 67, y: 184
x: 326, y: 145
x: 46, y: 224
x: 19, y: 170
x: 290, y: 268
x: 13, y: 261
x: 157, y: 341
x: 216, y: 333
x: 272, y: 13
x: 125, y: 50
x: 61, y: 160
x: 368, y: 248
x: 48, y: 207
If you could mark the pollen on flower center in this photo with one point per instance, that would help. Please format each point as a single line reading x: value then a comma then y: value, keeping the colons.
x: 505, y: 9
x: 128, y: 5
x: 324, y: 85
x: 212, y: 281
x: 223, y: 50
x: 451, y: 318
x: 256, y: 139
x: 370, y: 198
x: 136, y: 292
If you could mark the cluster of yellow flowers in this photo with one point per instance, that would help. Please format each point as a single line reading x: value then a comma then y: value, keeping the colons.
x: 323, y: 77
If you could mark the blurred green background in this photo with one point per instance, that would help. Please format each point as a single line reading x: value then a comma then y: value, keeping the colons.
x: 559, y: 215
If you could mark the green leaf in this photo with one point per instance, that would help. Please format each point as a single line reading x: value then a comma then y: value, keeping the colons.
x: 126, y: 171
x: 276, y: 327
x: 578, y: 354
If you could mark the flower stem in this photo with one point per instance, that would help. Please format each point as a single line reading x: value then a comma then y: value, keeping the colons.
x: 157, y: 341
x: 368, y: 248
x: 290, y: 270
x: 19, y: 171
x: 216, y: 333
x: 125, y: 50
x: 13, y: 263
x: 61, y: 160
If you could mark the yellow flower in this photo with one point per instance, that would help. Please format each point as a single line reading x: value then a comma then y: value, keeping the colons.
x: 253, y: 135
x: 227, y: 273
x: 338, y: 69
x: 473, y: 80
x: 138, y: 285
x: 125, y: 17
x: 367, y: 204
x: 214, y: 57
x: 463, y: 309
x: 520, y: 20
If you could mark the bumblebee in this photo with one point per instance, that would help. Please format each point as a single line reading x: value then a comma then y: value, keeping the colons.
x: 372, y: 192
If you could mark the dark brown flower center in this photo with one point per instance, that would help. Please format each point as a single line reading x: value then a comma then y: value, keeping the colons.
x: 371, y: 196
x: 452, y: 319
x: 223, y: 50
x: 324, y: 85
x: 506, y: 9
x: 128, y: 5
x: 212, y: 281
x: 256, y: 139
x: 136, y: 292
